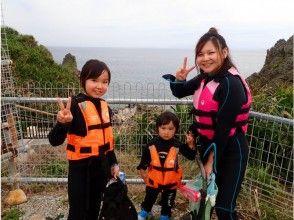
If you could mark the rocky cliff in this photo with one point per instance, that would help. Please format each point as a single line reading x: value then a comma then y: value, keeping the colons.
x: 278, y: 66
x: 69, y: 62
x: 272, y: 87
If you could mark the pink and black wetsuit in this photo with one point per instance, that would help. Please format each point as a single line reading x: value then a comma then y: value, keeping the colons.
x: 221, y: 107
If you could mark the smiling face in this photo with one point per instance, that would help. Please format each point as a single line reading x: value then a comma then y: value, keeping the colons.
x: 210, y: 59
x: 97, y: 87
x: 167, y: 131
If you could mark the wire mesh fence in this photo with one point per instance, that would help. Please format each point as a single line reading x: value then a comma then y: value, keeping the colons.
x: 269, y: 176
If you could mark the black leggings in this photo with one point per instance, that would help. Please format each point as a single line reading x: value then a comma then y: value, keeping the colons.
x: 229, y: 177
x: 167, y: 199
x: 86, y: 183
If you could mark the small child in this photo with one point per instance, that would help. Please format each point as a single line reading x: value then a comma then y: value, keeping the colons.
x: 159, y: 166
x: 86, y: 124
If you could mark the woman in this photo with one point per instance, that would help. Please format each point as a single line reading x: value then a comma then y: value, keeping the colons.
x: 221, y: 100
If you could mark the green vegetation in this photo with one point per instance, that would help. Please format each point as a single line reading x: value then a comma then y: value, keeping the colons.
x: 33, y: 62
x: 54, y: 168
x: 275, y: 99
x: 12, y: 214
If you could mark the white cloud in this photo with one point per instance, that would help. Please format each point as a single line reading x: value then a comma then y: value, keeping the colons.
x: 166, y: 23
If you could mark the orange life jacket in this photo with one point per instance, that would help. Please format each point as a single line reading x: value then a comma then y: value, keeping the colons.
x: 99, y: 137
x: 168, y: 176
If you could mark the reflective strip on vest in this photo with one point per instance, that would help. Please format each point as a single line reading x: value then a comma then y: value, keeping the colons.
x: 99, y: 138
x: 167, y: 176
x: 206, y: 108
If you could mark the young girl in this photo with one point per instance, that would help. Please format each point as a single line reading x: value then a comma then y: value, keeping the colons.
x: 86, y: 123
x: 222, y: 100
x: 159, y: 165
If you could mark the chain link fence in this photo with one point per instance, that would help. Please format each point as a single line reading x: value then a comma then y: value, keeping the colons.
x: 28, y: 117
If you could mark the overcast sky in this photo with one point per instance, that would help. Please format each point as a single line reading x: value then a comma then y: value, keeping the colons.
x: 245, y: 24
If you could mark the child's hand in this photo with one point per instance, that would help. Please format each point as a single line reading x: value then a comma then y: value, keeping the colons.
x: 64, y: 115
x: 115, y: 171
x: 183, y: 71
x: 190, y: 140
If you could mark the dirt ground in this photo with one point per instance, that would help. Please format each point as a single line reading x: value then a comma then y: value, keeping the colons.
x: 52, y: 203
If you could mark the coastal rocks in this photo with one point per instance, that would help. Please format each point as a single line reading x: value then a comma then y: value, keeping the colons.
x: 70, y: 63
x: 122, y: 115
x: 278, y: 66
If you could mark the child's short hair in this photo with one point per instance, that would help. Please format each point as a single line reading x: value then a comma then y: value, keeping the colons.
x: 167, y: 117
x: 93, y: 69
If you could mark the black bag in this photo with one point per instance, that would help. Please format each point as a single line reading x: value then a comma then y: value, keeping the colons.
x: 116, y: 203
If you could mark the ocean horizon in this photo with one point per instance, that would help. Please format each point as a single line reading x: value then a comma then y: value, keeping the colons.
x: 138, y: 62
x: 135, y: 68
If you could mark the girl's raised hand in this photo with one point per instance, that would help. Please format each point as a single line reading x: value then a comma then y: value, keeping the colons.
x: 64, y: 115
x: 183, y: 72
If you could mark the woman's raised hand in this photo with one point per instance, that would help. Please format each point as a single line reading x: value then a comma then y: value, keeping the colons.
x: 183, y: 72
x: 64, y: 115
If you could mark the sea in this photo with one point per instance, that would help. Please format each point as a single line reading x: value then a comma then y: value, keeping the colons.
x: 138, y: 67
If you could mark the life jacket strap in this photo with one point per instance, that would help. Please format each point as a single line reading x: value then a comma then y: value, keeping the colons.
x: 213, y: 113
x: 204, y: 126
x: 99, y: 126
x: 163, y: 187
x: 163, y: 169
x: 203, y: 113
x: 70, y: 147
x: 167, y: 186
x: 87, y: 149
x: 240, y: 123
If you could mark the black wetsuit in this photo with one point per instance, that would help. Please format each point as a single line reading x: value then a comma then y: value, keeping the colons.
x: 87, y: 177
x: 167, y: 195
x: 231, y: 152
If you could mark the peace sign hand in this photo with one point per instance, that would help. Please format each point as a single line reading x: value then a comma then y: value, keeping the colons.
x: 183, y: 72
x: 64, y: 115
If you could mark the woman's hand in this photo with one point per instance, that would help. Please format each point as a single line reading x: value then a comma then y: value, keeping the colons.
x: 208, y: 166
x: 190, y: 140
x: 115, y: 171
x: 64, y: 115
x: 183, y: 72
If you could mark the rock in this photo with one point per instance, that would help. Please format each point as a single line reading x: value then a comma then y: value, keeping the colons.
x: 278, y: 66
x: 125, y: 114
x: 69, y: 62
x: 15, y: 197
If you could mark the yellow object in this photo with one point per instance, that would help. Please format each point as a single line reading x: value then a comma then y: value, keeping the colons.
x: 15, y: 197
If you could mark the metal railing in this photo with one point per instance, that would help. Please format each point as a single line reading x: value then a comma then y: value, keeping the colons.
x: 269, y: 176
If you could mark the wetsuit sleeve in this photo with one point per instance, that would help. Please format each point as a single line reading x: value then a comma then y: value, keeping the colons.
x: 187, y: 152
x: 185, y: 88
x: 111, y: 158
x: 58, y: 134
x: 231, y: 96
x: 110, y: 114
x: 145, y: 159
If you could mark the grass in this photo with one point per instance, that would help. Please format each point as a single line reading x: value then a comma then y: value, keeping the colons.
x: 12, y: 214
